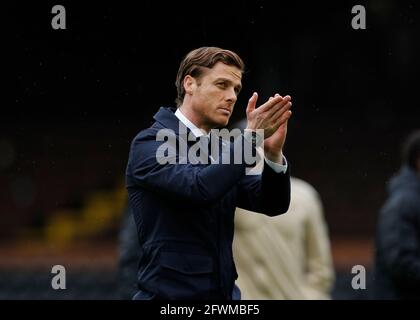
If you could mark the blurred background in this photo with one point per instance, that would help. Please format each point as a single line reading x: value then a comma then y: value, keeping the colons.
x: 81, y: 94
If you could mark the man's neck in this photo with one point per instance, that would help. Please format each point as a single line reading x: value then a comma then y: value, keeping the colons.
x: 189, y: 114
x: 189, y: 124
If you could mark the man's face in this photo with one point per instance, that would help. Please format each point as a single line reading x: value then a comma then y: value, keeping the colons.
x: 214, y: 94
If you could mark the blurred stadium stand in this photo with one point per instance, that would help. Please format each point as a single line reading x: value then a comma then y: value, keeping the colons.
x: 91, y: 270
x: 99, y: 284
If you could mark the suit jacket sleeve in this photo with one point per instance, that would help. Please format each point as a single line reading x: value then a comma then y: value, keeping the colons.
x: 268, y: 193
x: 196, y: 183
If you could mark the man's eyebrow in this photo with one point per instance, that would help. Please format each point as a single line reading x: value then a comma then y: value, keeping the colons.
x: 239, y: 86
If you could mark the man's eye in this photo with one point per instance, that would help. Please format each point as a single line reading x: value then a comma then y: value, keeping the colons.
x: 221, y: 85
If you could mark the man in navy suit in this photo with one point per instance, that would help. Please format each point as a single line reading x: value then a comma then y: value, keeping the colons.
x: 184, y: 208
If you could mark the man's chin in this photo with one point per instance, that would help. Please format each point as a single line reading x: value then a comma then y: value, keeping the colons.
x: 220, y: 122
x: 223, y: 123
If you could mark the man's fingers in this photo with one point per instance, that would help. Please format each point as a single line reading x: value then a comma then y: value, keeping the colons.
x: 279, y: 108
x: 285, y: 117
x: 274, y: 110
x: 252, y: 103
x: 282, y: 120
x: 270, y: 103
x: 276, y: 116
x: 275, y: 96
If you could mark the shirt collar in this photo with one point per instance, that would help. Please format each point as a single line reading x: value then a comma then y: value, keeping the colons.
x: 197, y: 132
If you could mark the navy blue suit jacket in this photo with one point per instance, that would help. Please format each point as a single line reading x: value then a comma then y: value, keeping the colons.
x: 185, y: 216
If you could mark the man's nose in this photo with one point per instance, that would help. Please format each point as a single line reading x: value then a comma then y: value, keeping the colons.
x: 231, y: 97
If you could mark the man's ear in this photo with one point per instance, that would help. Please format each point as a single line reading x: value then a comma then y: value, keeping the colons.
x: 190, y: 84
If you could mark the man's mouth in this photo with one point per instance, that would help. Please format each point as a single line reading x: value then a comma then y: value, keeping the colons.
x: 226, y: 110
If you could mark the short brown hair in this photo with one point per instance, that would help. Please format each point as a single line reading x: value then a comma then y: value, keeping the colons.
x: 204, y: 57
